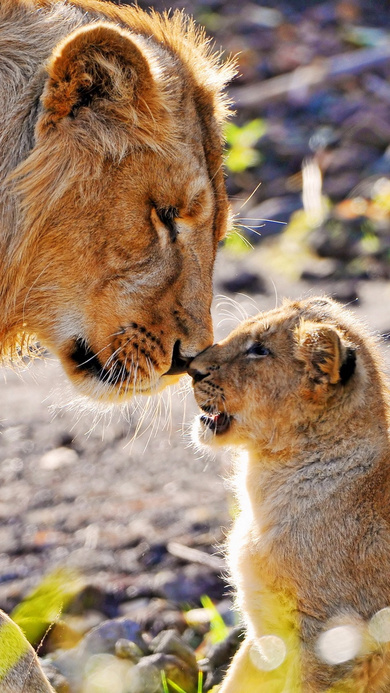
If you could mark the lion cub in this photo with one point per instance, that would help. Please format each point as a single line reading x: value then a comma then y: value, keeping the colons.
x: 300, y: 391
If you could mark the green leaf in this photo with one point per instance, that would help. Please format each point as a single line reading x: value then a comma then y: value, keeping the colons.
x: 45, y: 604
x: 241, y: 144
x: 236, y: 243
x: 218, y: 628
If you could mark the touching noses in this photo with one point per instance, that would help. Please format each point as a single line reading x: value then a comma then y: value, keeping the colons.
x: 179, y: 362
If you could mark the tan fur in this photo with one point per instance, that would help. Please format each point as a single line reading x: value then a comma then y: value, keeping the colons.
x: 308, y: 408
x: 112, y: 196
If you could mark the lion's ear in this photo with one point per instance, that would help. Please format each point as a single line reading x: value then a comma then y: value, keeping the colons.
x: 328, y: 359
x: 100, y: 76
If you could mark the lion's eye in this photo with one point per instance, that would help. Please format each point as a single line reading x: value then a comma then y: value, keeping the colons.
x: 168, y: 216
x: 258, y: 350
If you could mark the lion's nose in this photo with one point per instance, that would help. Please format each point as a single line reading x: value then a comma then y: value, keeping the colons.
x: 179, y: 363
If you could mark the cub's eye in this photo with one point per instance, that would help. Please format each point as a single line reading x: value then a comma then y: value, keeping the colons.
x: 167, y: 216
x: 258, y: 350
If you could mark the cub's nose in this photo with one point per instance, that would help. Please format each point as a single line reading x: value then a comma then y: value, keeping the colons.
x: 196, y: 374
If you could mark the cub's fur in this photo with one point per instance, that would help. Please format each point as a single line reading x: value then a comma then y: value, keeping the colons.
x: 112, y: 196
x: 301, y: 391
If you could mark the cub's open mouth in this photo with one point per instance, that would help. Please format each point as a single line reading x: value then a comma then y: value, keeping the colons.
x: 218, y: 422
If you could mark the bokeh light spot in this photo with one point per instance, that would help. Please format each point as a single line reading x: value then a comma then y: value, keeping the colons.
x: 339, y: 644
x: 379, y: 626
x: 268, y: 653
x: 104, y: 672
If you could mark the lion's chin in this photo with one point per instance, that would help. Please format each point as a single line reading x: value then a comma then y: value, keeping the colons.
x: 109, y: 385
x: 106, y: 393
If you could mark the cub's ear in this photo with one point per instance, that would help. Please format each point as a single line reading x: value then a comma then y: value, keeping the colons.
x: 328, y: 358
x: 101, y: 76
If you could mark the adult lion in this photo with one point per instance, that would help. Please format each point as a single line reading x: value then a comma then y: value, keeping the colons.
x: 112, y: 194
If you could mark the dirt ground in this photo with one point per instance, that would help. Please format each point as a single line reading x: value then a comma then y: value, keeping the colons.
x: 79, y: 490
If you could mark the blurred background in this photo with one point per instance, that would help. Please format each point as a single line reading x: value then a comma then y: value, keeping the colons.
x: 308, y: 174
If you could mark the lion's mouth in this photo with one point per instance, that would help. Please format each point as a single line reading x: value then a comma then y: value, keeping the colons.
x: 87, y: 361
x: 218, y: 422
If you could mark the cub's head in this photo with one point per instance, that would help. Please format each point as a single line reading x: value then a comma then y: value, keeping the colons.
x: 304, y: 367
x: 122, y: 204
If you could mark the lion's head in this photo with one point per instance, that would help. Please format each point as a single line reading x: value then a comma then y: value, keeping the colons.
x: 121, y: 200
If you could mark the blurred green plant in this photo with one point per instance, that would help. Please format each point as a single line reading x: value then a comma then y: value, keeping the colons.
x: 237, y: 243
x: 370, y: 242
x: 218, y: 628
x: 212, y: 21
x: 44, y: 605
x: 167, y: 684
x: 241, y: 142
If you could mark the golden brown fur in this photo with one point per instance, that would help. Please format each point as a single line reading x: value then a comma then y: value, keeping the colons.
x: 112, y: 196
x: 300, y: 391
x: 112, y: 202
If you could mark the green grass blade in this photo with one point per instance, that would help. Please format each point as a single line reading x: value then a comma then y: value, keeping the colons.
x: 175, y: 686
x: 218, y: 628
x: 164, y: 682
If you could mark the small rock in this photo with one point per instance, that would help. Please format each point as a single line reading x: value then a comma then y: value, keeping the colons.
x: 146, y: 675
x: 104, y: 637
x: 247, y: 282
x: 56, y: 679
x: 324, y: 268
x: 271, y: 213
x: 188, y: 585
x: 73, y: 663
x: 60, y: 457
x: 127, y: 649
x: 154, y: 615
x: 106, y: 673
x: 96, y: 598
x: 168, y: 642
x: 335, y: 240
x: 340, y: 185
x: 369, y: 127
x: 83, y: 623
x: 346, y: 158
x: 345, y: 292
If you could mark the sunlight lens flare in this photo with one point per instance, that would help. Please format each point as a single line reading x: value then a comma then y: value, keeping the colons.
x: 379, y: 626
x: 339, y: 644
x: 268, y: 653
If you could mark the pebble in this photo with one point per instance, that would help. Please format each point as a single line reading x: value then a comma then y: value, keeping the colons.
x: 58, y: 458
x: 188, y: 585
x: 127, y: 649
x: 169, y: 642
x: 149, y: 672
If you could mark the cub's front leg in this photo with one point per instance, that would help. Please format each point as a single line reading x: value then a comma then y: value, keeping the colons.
x: 242, y: 675
x: 245, y: 674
